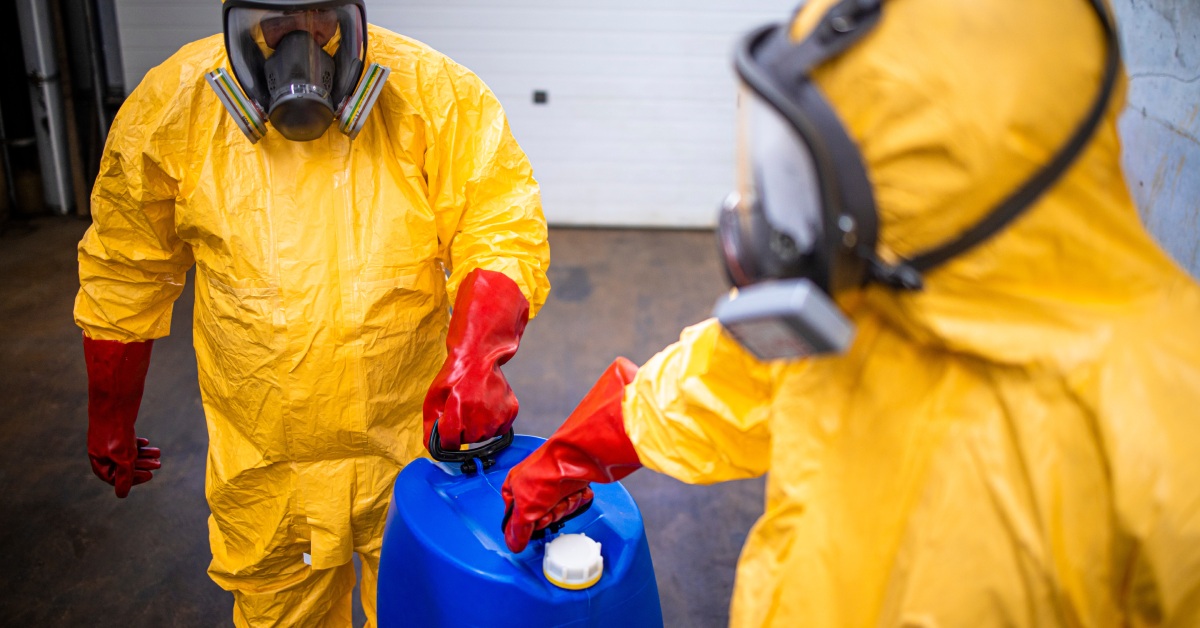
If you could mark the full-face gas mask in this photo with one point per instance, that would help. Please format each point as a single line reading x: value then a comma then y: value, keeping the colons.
x: 802, y: 225
x: 297, y: 64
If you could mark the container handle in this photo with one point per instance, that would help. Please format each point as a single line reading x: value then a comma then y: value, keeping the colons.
x: 561, y: 523
x: 485, y: 453
x: 553, y: 528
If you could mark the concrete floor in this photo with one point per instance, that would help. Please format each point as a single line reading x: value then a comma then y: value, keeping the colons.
x: 71, y: 554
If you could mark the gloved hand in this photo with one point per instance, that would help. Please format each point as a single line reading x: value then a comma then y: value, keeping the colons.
x: 591, y: 446
x: 116, y: 378
x: 470, y: 399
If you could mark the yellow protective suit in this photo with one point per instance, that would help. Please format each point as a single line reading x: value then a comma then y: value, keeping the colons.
x: 1018, y: 444
x: 322, y: 297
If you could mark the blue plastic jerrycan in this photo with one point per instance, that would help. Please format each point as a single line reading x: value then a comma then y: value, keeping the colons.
x: 444, y: 561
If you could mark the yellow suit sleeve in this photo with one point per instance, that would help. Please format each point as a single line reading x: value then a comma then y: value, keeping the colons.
x: 699, y: 411
x: 132, y: 264
x: 488, y: 203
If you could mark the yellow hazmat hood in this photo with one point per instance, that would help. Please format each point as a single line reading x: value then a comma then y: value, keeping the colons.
x: 949, y: 128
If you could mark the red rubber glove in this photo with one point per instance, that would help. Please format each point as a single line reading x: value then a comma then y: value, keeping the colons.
x: 470, y: 399
x: 116, y: 377
x: 591, y: 446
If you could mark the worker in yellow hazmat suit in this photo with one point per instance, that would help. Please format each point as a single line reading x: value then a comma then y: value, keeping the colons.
x: 336, y: 193
x: 998, y: 418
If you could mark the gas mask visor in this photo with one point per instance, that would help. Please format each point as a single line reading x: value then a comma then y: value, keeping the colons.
x: 801, y: 223
x: 771, y: 223
x: 297, y: 65
x: 771, y: 231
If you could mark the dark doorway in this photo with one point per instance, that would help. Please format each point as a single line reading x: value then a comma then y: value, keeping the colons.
x: 80, y: 90
x: 22, y: 180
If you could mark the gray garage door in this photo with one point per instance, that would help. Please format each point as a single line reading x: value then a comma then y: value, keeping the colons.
x: 637, y: 127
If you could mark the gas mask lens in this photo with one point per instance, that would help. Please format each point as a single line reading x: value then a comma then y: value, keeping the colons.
x: 769, y: 231
x: 320, y: 24
x: 297, y: 66
x: 771, y: 223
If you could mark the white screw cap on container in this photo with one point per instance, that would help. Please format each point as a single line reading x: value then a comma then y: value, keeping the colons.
x: 573, y: 561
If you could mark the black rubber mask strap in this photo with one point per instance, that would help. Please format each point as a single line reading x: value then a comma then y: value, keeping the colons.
x: 839, y: 29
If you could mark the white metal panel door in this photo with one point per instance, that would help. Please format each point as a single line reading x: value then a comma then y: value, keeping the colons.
x: 638, y: 127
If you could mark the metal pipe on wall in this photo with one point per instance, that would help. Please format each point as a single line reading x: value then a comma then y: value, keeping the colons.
x: 37, y: 38
x: 75, y: 154
x: 96, y: 46
x: 10, y: 182
x: 110, y: 48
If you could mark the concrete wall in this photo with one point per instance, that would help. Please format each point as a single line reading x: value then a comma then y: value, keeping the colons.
x: 1161, y: 128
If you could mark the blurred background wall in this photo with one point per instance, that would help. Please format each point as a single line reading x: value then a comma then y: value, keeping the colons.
x: 1161, y: 127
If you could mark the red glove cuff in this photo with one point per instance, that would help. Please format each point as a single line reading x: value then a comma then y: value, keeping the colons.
x: 116, y: 377
x: 591, y: 446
